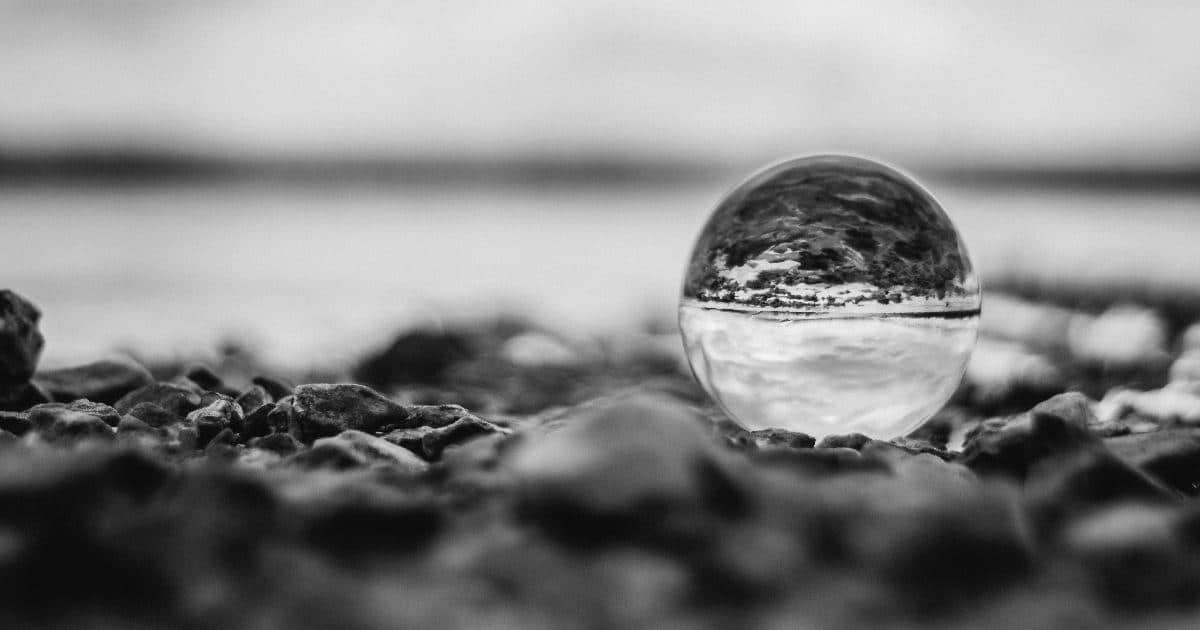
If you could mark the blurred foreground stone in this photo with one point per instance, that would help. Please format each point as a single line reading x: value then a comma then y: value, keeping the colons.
x: 594, y: 486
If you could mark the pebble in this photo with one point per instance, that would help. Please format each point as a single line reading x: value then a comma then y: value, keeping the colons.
x: 21, y: 396
x: 15, y: 422
x: 258, y: 422
x: 377, y: 451
x: 1054, y: 427
x: 1133, y: 557
x: 279, y: 443
x: 46, y: 414
x: 65, y: 424
x: 1076, y: 483
x: 21, y: 340
x: 220, y: 415
x: 622, y: 468
x: 1000, y: 373
x: 324, y: 410
x: 1166, y: 405
x: 252, y: 398
x: 1123, y: 336
x: 208, y: 380
x: 766, y: 438
x: 103, y: 381
x: 430, y: 441
x: 1171, y: 456
x: 175, y: 399
x: 153, y: 415
x: 419, y: 356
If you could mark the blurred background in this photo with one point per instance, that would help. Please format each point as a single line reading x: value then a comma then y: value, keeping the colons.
x: 304, y: 177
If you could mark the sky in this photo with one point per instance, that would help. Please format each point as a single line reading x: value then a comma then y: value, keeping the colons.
x: 935, y: 83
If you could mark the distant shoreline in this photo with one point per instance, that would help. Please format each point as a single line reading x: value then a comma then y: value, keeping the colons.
x: 153, y: 167
x: 840, y: 312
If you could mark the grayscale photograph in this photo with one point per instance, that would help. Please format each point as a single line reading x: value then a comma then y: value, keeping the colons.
x: 594, y: 315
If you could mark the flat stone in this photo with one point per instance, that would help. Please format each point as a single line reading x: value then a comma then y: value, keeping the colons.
x: 174, y: 398
x: 324, y: 410
x: 103, y: 381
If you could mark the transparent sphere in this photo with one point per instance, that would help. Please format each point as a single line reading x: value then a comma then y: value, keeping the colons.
x: 829, y: 295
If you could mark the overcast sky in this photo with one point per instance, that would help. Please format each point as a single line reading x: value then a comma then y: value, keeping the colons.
x: 936, y: 82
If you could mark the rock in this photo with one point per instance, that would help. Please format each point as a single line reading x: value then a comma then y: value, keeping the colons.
x: 279, y: 443
x: 1072, y: 484
x: 1124, y: 336
x: 323, y: 410
x: 131, y: 424
x: 153, y: 415
x: 278, y: 389
x: 351, y: 519
x: 419, y: 356
x: 176, y: 399
x: 435, y: 415
x: 102, y: 381
x: 821, y: 461
x: 45, y: 414
x: 638, y: 467
x: 539, y: 349
x: 258, y: 422
x: 1167, y: 405
x: 208, y: 380
x: 1001, y: 375
x: 1186, y: 369
x: 281, y: 419
x: 64, y: 425
x: 778, y: 437
x: 21, y: 341
x: 21, y: 396
x: 429, y: 442
x: 853, y: 441
x: 1031, y: 324
x: 1171, y: 456
x: 1190, y: 338
x: 1052, y: 428
x: 254, y: 397
x: 220, y: 415
x: 14, y: 422
x: 378, y: 451
x: 1134, y: 559
x: 331, y: 455
x: 222, y: 446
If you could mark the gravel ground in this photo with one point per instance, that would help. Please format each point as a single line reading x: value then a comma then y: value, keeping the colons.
x: 497, y: 475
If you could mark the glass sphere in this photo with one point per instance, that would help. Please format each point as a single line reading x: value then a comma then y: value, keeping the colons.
x: 829, y: 295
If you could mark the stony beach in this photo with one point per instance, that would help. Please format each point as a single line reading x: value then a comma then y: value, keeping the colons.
x: 495, y: 474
